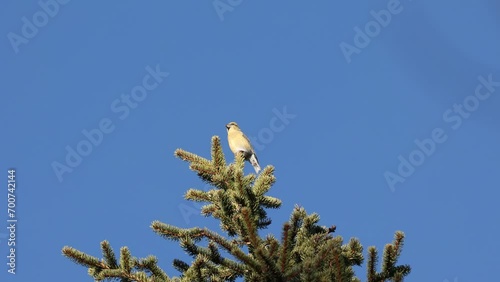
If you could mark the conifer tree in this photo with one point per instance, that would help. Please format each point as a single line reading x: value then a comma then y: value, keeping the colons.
x: 305, y: 251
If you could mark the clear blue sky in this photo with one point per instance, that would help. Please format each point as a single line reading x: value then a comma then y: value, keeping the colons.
x: 352, y: 112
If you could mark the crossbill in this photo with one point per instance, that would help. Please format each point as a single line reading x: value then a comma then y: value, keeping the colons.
x: 238, y: 142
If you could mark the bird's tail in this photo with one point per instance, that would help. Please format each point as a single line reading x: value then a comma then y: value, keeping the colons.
x: 255, y: 163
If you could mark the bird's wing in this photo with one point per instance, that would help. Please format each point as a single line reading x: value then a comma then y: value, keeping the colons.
x: 248, y: 140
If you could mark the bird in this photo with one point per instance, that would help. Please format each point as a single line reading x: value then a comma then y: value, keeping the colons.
x: 238, y: 142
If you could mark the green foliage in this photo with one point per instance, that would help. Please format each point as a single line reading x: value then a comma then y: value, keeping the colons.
x: 305, y: 251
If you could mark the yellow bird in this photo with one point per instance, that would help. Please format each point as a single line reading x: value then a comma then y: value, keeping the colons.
x: 238, y: 142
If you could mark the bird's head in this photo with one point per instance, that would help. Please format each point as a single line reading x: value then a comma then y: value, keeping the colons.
x: 232, y: 124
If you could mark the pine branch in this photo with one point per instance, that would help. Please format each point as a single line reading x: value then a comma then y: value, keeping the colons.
x: 108, y: 254
x: 129, y: 268
x: 286, y: 248
x: 353, y: 251
x: 82, y: 258
x: 150, y: 264
x: 218, y: 158
x: 390, y: 257
x: 264, y: 181
x: 126, y: 262
x: 372, y: 264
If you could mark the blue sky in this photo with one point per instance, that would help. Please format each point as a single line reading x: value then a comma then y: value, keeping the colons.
x: 335, y: 122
